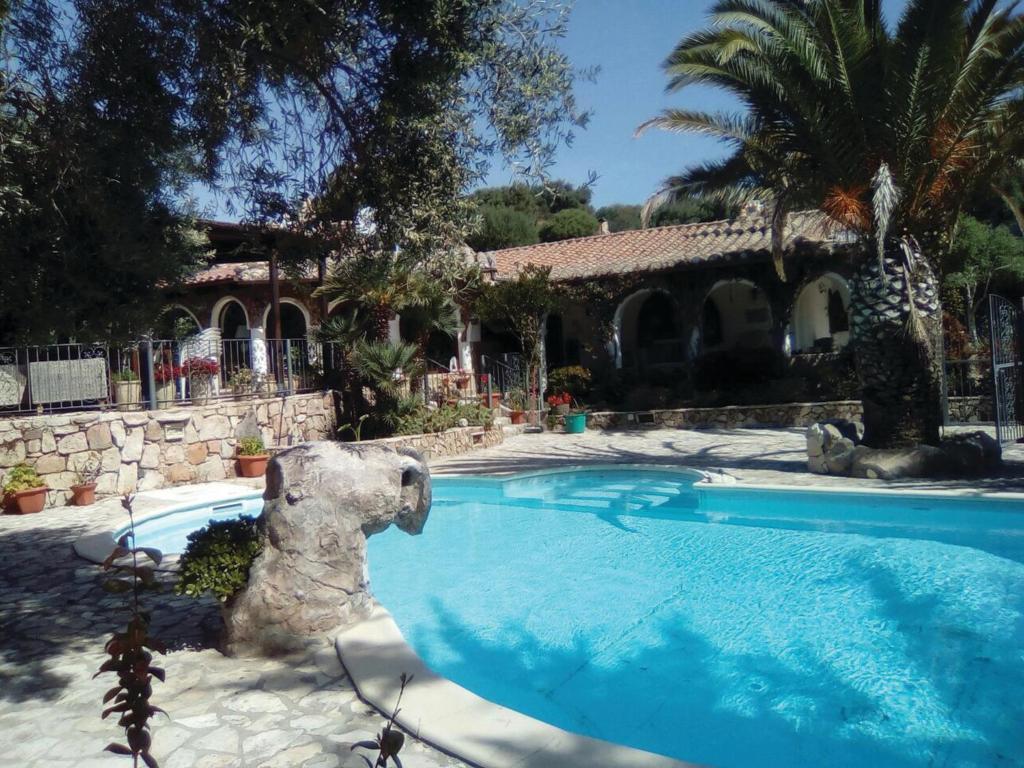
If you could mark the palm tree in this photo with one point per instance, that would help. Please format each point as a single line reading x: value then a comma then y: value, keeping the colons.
x: 428, y: 310
x: 379, y: 285
x: 885, y: 130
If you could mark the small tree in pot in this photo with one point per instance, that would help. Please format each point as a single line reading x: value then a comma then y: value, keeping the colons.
x: 83, y: 492
x: 523, y: 304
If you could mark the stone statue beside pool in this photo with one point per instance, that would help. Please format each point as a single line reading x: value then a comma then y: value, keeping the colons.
x: 321, y: 502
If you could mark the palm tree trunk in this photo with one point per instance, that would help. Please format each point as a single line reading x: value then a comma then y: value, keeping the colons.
x: 898, y: 348
x: 382, y: 323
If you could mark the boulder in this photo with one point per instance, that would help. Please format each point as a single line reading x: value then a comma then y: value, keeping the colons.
x: 972, y: 453
x: 322, y: 501
x: 897, y: 463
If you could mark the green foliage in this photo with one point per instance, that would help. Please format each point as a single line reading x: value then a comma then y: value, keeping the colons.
x: 568, y: 223
x: 22, y: 477
x: 833, y: 96
x: 387, y: 366
x: 682, y: 211
x: 125, y: 374
x: 502, y: 227
x: 217, y: 558
x: 522, y: 303
x: 574, y: 379
x: 423, y: 420
x: 620, y: 217
x: 307, y: 114
x: 251, y: 446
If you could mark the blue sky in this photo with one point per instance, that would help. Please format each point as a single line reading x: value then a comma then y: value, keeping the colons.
x: 628, y: 40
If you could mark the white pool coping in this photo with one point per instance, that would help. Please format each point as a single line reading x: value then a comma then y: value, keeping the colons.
x: 96, y: 547
x: 447, y: 716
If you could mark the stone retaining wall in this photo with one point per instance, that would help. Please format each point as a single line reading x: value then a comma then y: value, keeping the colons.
x: 970, y: 410
x: 141, y: 450
x: 782, y: 415
x: 452, y: 442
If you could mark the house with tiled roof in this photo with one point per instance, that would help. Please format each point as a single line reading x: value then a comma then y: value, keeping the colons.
x: 650, y: 300
x: 660, y: 298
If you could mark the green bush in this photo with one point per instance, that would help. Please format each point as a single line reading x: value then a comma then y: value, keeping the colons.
x: 427, y: 420
x: 502, y: 227
x: 572, y: 222
x: 218, y: 557
x: 574, y: 379
x: 22, y: 478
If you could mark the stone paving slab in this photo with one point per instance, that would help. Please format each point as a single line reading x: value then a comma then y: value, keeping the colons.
x: 296, y: 711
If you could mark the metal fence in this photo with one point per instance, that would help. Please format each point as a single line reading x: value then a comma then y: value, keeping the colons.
x: 157, y: 373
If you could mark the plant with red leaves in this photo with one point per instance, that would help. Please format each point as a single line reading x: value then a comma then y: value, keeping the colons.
x: 131, y: 651
x: 200, y: 366
x: 390, y: 740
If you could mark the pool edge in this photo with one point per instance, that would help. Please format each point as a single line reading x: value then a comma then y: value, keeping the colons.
x: 456, y: 721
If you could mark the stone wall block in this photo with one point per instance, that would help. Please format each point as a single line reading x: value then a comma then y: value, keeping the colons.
x: 50, y: 463
x: 48, y: 442
x: 60, y: 481
x: 150, y: 456
x: 154, y: 431
x: 211, y: 469
x: 118, y: 433
x: 33, y: 447
x: 135, y: 418
x: 106, y: 483
x: 191, y: 433
x: 132, y: 450
x: 174, y: 453
x: 110, y: 460
x: 196, y: 453
x: 99, y: 437
x: 74, y: 443
x: 128, y: 477
x: 150, y: 480
x: 179, y: 473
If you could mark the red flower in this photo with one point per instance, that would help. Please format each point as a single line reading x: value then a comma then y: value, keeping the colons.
x: 200, y: 366
x: 165, y: 372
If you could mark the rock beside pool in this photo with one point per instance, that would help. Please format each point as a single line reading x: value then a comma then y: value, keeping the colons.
x: 831, y: 452
x: 322, y: 500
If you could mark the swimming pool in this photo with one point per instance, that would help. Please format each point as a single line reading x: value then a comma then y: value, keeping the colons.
x: 168, y: 531
x: 725, y: 625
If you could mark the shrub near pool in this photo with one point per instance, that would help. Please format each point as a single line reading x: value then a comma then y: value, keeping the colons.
x: 218, y: 557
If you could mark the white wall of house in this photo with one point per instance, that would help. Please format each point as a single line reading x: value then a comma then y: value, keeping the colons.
x: 810, y: 313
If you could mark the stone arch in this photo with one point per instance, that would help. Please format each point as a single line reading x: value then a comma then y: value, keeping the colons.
x: 164, y: 327
x: 234, y: 306
x: 290, y: 320
x: 820, y: 319
x: 735, y: 314
x: 647, y: 330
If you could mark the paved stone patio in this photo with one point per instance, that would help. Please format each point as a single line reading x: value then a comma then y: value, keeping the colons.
x: 296, y: 711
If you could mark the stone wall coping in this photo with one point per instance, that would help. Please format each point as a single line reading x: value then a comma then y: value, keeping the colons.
x: 735, y: 408
x: 458, y: 721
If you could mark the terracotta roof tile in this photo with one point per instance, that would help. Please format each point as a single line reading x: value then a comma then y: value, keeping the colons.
x: 649, y: 250
x: 238, y: 272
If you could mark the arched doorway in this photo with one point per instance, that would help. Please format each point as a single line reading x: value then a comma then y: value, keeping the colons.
x: 648, y: 331
x: 735, y: 315
x: 821, y: 319
x: 175, y: 323
x: 233, y: 321
x: 294, y: 321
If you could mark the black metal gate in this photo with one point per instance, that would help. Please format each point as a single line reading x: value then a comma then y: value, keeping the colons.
x: 1007, y: 389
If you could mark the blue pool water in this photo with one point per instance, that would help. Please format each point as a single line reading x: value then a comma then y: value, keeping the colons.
x: 728, y: 627
x: 169, y: 531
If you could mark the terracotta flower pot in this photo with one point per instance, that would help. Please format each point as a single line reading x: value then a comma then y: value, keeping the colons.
x: 253, y: 466
x: 28, y: 502
x: 518, y: 417
x: 495, y: 400
x: 83, y: 495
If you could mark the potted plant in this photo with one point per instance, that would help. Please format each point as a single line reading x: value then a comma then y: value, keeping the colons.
x: 127, y: 389
x: 560, y: 404
x: 24, y: 490
x: 576, y: 419
x: 252, y: 457
x: 200, y: 372
x: 517, y: 403
x: 166, y: 375
x: 243, y: 381
x: 83, y: 492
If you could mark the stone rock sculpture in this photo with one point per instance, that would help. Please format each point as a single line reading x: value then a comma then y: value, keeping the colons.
x: 323, y: 500
x: 835, y: 449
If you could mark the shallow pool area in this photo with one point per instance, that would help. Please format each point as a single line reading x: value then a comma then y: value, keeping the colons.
x: 725, y: 625
x: 168, y: 530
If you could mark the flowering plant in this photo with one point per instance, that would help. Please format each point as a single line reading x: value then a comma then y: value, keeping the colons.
x: 556, y: 400
x: 200, y: 366
x: 165, y: 372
